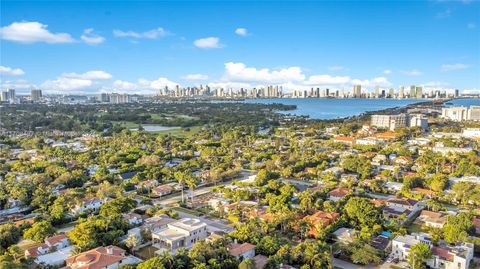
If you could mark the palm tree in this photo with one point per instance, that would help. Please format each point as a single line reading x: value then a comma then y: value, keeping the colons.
x: 191, y: 182
x: 181, y: 179
x: 131, y: 242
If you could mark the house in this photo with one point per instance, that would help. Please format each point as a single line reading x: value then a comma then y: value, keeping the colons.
x: 338, y: 193
x: 381, y: 243
x: 344, y: 235
x: 344, y: 139
x: 157, y: 222
x: 217, y: 203
x: 401, y: 244
x: 379, y: 159
x: 260, y: 261
x: 133, y: 218
x: 36, y: 251
x: 432, y: 219
x: 54, y: 259
x: 368, y: 141
x: 242, y: 251
x: 182, y: 233
x: 162, y: 190
x: 336, y: 171
x: 110, y: 257
x: 426, y: 193
x: 55, y: 242
x: 387, y: 135
x: 320, y: 220
x: 446, y: 256
x: 92, y: 204
x: 127, y: 175
x: 397, y: 207
x: 346, y: 177
x: 393, y: 186
x: 58, y: 241
x: 146, y: 184
x: 476, y: 223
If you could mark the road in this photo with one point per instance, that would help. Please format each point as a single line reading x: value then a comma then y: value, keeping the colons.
x: 200, y: 191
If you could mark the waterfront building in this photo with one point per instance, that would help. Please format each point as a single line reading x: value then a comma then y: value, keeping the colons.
x: 459, y: 113
x: 357, y: 91
x: 390, y: 122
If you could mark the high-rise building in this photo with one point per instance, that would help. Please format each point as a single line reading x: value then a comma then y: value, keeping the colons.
x: 357, y: 91
x: 391, y: 93
x: 11, y: 95
x: 457, y: 93
x: 413, y: 92
x: 4, y: 96
x: 377, y: 91
x: 401, y: 92
x: 36, y: 94
x: 418, y: 92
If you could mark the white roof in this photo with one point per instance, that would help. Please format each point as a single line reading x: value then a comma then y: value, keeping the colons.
x: 188, y: 224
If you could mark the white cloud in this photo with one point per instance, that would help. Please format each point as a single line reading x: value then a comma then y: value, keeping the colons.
x: 208, y: 43
x: 412, y: 73
x: 66, y: 84
x: 230, y: 84
x: 5, y: 70
x: 16, y: 84
x: 240, y: 72
x: 32, y: 32
x: 327, y: 80
x: 336, y: 68
x: 151, y: 34
x: 91, y: 38
x: 452, y: 67
x: 378, y: 81
x: 238, y: 75
x: 144, y: 86
x: 124, y: 85
x: 387, y: 71
x: 194, y: 77
x: 76, y: 82
x: 92, y: 75
x: 241, y: 32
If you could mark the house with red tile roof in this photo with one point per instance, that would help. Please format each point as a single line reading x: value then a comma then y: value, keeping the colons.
x: 424, y: 192
x: 338, y: 193
x: 320, y: 220
x: 162, y: 190
x: 242, y: 251
x: 56, y: 242
x: 344, y: 139
x: 110, y: 257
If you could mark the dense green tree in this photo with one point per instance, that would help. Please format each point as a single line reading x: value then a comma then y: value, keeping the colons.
x: 418, y: 255
x: 362, y: 212
x: 39, y: 231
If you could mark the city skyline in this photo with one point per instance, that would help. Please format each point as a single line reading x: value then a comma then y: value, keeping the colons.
x: 298, y: 46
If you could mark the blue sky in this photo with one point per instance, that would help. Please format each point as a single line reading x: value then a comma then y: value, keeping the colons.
x: 92, y: 46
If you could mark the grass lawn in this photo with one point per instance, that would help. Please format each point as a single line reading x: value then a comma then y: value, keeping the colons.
x: 414, y: 228
x: 146, y: 253
x: 181, y: 132
x: 188, y: 211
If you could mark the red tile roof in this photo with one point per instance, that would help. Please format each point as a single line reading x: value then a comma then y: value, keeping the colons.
x: 443, y: 253
x: 96, y: 258
x: 339, y: 192
x: 239, y: 249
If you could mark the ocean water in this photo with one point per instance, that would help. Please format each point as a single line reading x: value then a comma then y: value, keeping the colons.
x: 319, y: 108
